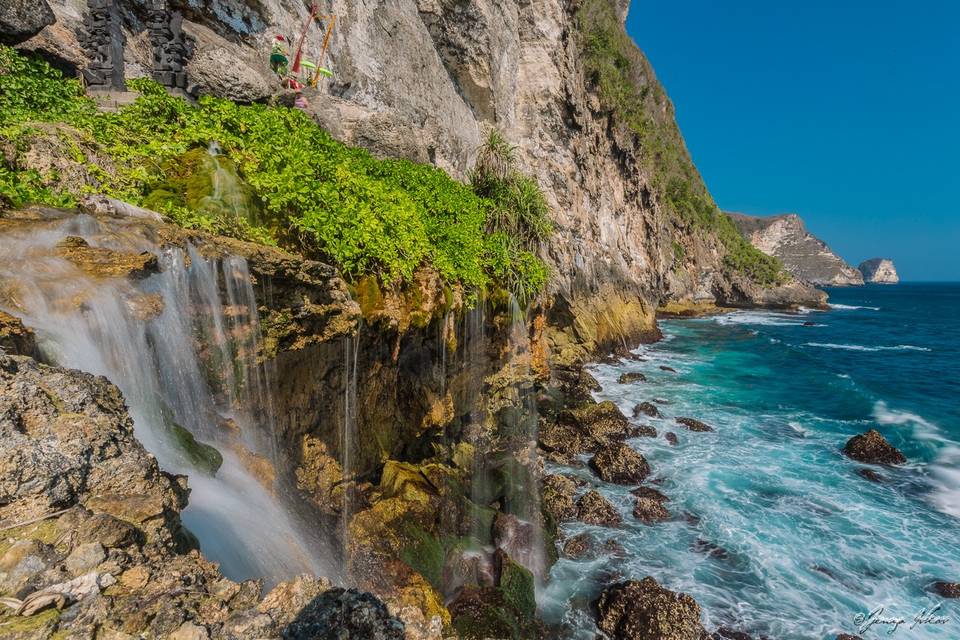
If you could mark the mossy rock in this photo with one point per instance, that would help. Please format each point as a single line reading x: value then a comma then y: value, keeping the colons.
x: 39, y: 625
x: 202, y: 456
x: 518, y: 587
x: 480, y: 614
x: 368, y: 295
x: 406, y: 481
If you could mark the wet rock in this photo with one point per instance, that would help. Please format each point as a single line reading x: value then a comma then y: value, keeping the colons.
x: 15, y: 338
x: 710, y: 549
x: 578, y: 546
x: 650, y: 510
x: 651, y: 493
x: 664, y: 367
x: 593, y: 508
x: 199, y: 454
x: 20, y: 20
x: 947, y: 589
x: 643, y: 609
x: 808, y: 323
x: 641, y: 431
x: 106, y: 263
x: 726, y: 633
x: 619, y: 464
x: 558, y: 492
x: 694, y: 425
x: 847, y: 636
x: 671, y: 437
x: 870, y: 474
x: 631, y: 376
x: 344, y: 614
x: 584, y: 428
x: 101, y: 205
x: 873, y: 448
x: 691, y: 519
x: 646, y: 409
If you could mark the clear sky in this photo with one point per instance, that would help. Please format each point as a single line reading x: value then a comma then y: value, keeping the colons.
x: 846, y: 112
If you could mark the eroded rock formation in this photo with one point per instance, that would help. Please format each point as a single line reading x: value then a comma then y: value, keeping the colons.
x: 879, y: 271
x: 805, y: 256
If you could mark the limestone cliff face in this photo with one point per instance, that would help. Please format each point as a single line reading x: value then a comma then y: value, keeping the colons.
x: 879, y: 271
x: 424, y: 79
x: 804, y: 255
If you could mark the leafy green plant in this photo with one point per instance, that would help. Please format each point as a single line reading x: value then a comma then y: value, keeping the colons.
x: 385, y: 218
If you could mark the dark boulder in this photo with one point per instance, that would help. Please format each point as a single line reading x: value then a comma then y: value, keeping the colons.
x: 20, y: 20
x: 847, y: 636
x: 593, y: 508
x: 671, y: 437
x: 584, y: 428
x: 578, y: 546
x: 620, y: 464
x: 695, y: 425
x: 650, y: 510
x: 558, y: 494
x: 726, y: 633
x: 646, y: 409
x: 641, y: 431
x: 873, y: 448
x: 870, y: 475
x: 710, y: 549
x: 636, y: 610
x: 344, y: 614
x: 631, y: 376
x: 947, y: 589
x: 650, y: 492
x: 664, y: 367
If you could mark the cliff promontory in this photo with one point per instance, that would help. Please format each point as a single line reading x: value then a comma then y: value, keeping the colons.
x: 804, y: 255
x: 879, y: 271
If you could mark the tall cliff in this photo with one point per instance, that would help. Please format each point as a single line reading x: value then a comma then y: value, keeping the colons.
x: 635, y: 225
x: 804, y: 255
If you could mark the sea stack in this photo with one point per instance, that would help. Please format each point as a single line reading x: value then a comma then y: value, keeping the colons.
x: 879, y: 271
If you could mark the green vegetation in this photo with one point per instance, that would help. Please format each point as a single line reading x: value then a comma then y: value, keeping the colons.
x: 302, y: 189
x: 627, y: 87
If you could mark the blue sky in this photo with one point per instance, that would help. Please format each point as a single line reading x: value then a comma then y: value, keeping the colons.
x: 846, y: 112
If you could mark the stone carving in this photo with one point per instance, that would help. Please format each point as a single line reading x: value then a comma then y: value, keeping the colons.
x: 103, y: 41
x: 169, y: 46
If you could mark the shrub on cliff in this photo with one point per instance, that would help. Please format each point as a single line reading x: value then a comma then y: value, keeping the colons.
x: 368, y: 216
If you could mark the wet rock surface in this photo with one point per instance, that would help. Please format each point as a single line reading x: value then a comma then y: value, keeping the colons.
x: 630, y: 377
x: 650, y: 510
x: 106, y: 263
x: 593, y: 508
x: 694, y: 425
x: 344, y: 614
x: 619, y: 464
x: 947, y: 589
x: 15, y: 338
x: 873, y: 448
x: 558, y: 492
x: 644, y: 609
x: 671, y: 437
x: 646, y: 409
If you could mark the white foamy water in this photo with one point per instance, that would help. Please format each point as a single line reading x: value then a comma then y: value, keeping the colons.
x: 858, y: 347
x: 850, y: 307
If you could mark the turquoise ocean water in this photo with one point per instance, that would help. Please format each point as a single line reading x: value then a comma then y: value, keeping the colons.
x: 773, y: 531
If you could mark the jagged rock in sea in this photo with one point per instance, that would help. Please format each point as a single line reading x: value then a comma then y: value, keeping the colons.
x: 873, y: 448
x: 645, y: 609
x: 879, y: 271
x: 805, y: 256
x: 593, y: 508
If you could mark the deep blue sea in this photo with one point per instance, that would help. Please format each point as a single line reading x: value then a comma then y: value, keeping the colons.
x: 773, y: 531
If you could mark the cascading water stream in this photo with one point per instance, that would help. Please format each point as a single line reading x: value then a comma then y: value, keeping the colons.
x: 186, y: 364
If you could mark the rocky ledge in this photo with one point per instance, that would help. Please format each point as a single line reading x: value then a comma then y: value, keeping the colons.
x: 91, y: 541
x: 879, y: 271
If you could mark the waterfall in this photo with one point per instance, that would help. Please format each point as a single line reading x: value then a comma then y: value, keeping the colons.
x: 227, y: 193
x: 186, y: 362
x: 348, y: 434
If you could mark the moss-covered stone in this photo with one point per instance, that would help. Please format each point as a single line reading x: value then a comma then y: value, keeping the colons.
x: 518, y: 586
x: 202, y: 456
